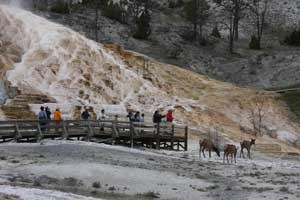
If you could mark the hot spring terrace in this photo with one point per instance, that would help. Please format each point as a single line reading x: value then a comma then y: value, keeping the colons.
x: 150, y: 135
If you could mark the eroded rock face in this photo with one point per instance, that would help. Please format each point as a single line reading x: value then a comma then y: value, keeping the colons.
x: 9, y: 55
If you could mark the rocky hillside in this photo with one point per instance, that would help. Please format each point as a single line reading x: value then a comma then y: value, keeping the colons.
x: 170, y: 43
x: 65, y: 67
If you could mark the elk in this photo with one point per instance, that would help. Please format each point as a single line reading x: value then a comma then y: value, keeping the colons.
x: 230, y: 150
x: 208, y: 146
x: 247, y: 145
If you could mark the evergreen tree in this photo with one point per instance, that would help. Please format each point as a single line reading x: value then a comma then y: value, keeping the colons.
x: 143, y: 29
x: 294, y: 38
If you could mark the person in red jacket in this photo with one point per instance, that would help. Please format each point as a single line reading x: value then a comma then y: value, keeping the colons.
x: 169, y: 116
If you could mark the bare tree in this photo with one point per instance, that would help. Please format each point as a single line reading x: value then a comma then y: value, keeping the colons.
x: 197, y: 13
x: 97, y: 7
x: 258, y: 109
x: 238, y: 13
x: 259, y: 10
x: 234, y: 11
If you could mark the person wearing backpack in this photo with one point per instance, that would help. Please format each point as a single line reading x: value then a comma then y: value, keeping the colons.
x: 42, y: 117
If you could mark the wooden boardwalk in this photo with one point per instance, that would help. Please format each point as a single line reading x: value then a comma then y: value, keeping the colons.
x: 287, y: 90
x: 158, y: 136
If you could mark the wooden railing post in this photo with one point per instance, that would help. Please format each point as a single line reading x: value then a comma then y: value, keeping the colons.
x: 40, y: 134
x: 17, y: 132
x: 131, y: 133
x: 90, y: 130
x: 158, y: 136
x: 115, y: 132
x: 172, y: 137
x: 65, y: 131
x: 186, y: 138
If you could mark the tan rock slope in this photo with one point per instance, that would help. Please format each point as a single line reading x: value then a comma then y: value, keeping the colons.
x: 65, y: 67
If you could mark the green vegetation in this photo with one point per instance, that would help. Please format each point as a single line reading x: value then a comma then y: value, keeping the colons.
x: 60, y: 7
x: 143, y: 30
x: 176, y: 3
x: 284, y: 87
x: 114, y: 11
x: 215, y: 32
x: 254, y: 43
x: 197, y: 13
x: 294, y: 38
x: 292, y: 99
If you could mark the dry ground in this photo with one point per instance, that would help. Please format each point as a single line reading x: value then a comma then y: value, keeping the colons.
x: 111, y: 172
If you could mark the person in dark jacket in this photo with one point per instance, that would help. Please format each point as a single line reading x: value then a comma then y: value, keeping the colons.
x: 137, y: 117
x: 42, y: 116
x: 48, y: 112
x: 142, y: 119
x: 85, y: 114
x: 157, y: 117
x: 130, y: 116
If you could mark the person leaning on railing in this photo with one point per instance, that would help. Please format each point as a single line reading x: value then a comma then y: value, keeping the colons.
x: 57, y: 118
x: 57, y: 115
x: 42, y: 117
x: 169, y: 116
x: 157, y: 117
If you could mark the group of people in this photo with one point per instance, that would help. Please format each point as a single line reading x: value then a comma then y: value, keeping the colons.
x: 158, y: 117
x: 85, y: 115
x: 137, y: 117
x: 45, y: 114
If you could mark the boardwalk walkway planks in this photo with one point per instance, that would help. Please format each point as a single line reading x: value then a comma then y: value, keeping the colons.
x: 159, y: 136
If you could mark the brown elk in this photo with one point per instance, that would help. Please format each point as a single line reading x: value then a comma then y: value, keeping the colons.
x: 208, y: 146
x: 247, y: 145
x: 230, y: 150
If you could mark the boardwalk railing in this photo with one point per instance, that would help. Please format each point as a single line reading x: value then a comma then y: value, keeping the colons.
x: 163, y: 135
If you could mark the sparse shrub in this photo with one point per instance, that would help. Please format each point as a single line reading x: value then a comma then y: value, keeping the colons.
x: 96, y: 185
x: 215, y: 32
x: 143, y: 29
x: 294, y: 38
x: 113, y: 11
x: 36, y: 183
x: 112, y: 188
x: 175, y: 3
x: 284, y: 189
x: 60, y: 7
x: 254, y: 43
x: 149, y: 194
x: 3, y: 158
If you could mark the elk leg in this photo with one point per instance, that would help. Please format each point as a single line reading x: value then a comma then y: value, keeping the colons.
x: 249, y: 153
x: 209, y: 153
x: 200, y: 152
x: 242, y: 152
x: 203, y: 152
x: 224, y: 158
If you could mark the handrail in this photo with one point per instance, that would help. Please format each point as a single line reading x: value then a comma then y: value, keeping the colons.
x: 138, y: 124
x: 153, y: 134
